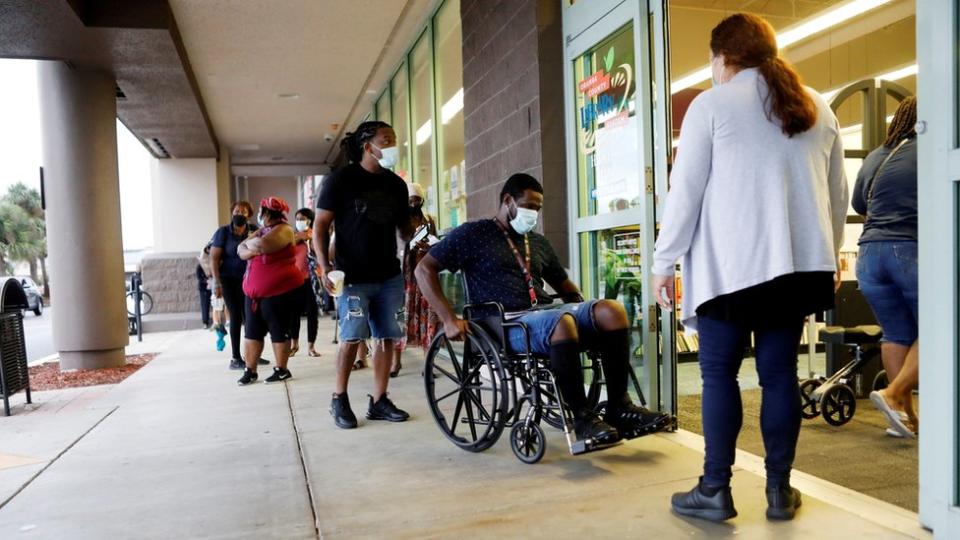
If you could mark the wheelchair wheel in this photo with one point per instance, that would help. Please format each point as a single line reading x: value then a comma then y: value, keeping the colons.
x: 591, y: 373
x: 809, y: 407
x: 880, y: 381
x: 838, y: 405
x: 528, y: 442
x: 466, y: 389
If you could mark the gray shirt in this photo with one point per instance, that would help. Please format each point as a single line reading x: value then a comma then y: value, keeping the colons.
x: 892, y: 215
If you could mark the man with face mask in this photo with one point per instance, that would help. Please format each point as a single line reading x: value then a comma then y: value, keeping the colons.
x: 368, y: 205
x: 505, y: 261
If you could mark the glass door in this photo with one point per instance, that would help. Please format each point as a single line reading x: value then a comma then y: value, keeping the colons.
x: 938, y: 191
x: 610, y: 168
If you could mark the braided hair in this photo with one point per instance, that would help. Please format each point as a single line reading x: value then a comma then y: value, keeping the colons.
x: 352, y: 143
x: 903, y: 122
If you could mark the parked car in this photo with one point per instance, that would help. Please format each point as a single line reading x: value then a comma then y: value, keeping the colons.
x: 34, y: 296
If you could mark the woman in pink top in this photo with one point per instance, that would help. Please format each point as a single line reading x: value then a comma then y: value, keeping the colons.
x: 270, y: 284
x: 307, y: 298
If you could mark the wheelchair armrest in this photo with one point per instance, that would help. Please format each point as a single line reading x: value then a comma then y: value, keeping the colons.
x: 497, y: 307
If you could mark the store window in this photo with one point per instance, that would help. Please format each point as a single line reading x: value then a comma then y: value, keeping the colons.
x: 401, y: 120
x: 421, y: 112
x: 449, y: 92
x: 608, y: 164
x: 382, y: 109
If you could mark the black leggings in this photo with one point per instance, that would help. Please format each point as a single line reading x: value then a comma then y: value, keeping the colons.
x: 234, y: 298
x: 306, y: 301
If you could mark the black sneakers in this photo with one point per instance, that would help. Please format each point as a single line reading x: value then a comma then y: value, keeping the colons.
x: 237, y: 364
x: 279, y: 375
x: 634, y: 421
x: 341, y: 412
x: 263, y: 362
x: 384, y: 409
x: 782, y: 502
x: 704, y: 502
x: 249, y: 377
x: 588, y: 426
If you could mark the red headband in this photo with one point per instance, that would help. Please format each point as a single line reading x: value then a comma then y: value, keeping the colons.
x: 275, y: 203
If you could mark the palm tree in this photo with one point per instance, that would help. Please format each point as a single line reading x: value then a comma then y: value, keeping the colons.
x: 23, y: 234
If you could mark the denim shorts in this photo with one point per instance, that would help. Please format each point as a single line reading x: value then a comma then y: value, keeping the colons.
x: 371, y: 308
x: 887, y: 272
x: 541, y: 323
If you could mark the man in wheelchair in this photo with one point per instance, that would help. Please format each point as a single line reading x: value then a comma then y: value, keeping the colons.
x: 504, y: 261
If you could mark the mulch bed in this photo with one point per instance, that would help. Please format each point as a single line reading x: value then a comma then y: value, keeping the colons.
x: 49, y: 377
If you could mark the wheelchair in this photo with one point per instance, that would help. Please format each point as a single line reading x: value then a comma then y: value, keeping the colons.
x: 476, y: 389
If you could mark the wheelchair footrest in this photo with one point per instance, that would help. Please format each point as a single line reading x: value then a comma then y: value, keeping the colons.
x: 589, y: 445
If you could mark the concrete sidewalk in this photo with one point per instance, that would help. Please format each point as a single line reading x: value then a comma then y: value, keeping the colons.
x: 178, y: 450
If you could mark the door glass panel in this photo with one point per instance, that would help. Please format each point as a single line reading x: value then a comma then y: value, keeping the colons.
x: 608, y: 161
x: 421, y: 111
x: 401, y: 120
x: 383, y: 111
x: 450, y: 144
x: 610, y: 269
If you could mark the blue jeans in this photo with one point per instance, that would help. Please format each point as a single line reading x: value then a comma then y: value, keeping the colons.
x: 542, y: 322
x: 887, y: 274
x: 722, y: 346
x: 371, y: 308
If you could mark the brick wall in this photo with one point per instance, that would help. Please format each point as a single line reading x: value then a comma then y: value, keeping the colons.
x: 171, y: 280
x: 513, y: 102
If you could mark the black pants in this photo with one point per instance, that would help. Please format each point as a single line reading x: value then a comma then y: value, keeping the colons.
x: 204, y: 302
x: 306, y: 301
x: 234, y: 298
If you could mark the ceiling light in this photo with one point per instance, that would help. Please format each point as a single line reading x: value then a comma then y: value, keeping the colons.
x: 452, y: 107
x: 291, y: 95
x: 371, y: 92
x: 246, y: 147
x: 828, y: 19
x: 424, y: 132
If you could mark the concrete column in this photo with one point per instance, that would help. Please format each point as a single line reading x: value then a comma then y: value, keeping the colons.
x: 79, y: 113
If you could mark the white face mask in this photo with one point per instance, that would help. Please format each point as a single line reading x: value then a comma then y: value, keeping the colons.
x: 262, y: 221
x: 525, y: 220
x: 388, y: 156
x: 301, y: 225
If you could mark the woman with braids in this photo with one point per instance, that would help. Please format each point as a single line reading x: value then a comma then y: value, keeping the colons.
x: 367, y: 203
x: 756, y: 210
x: 886, y: 193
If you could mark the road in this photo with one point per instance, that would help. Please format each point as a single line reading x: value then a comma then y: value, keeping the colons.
x: 38, y: 332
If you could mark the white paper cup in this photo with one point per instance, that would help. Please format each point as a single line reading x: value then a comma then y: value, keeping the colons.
x: 336, y: 278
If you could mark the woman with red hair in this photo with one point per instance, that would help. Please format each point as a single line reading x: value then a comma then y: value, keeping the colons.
x: 271, y: 284
x: 756, y: 209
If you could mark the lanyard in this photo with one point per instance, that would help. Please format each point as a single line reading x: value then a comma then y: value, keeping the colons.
x: 523, y: 262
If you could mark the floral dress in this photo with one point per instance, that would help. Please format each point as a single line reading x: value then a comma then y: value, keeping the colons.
x: 421, y: 321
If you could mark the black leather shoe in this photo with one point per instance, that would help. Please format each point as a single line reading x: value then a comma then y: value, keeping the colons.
x: 589, y: 426
x: 634, y: 421
x: 782, y: 502
x: 341, y: 412
x: 695, y: 503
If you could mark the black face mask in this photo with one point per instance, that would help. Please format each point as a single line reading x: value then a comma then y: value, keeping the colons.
x: 239, y: 220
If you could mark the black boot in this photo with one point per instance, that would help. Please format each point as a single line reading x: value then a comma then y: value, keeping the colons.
x: 704, y: 502
x: 782, y: 502
x: 588, y: 426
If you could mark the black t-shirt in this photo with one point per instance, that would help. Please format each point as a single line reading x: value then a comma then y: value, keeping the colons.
x: 231, y: 265
x: 367, y: 210
x: 492, y: 272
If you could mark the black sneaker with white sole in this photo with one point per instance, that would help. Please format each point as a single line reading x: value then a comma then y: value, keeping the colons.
x: 384, y: 409
x: 249, y: 377
x: 237, y: 364
x: 279, y: 375
x: 263, y: 362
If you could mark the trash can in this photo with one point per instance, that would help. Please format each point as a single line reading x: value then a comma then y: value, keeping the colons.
x: 14, y: 375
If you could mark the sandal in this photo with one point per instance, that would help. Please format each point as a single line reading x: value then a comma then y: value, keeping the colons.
x: 313, y: 352
x: 294, y: 349
x: 360, y: 364
x: 395, y: 373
